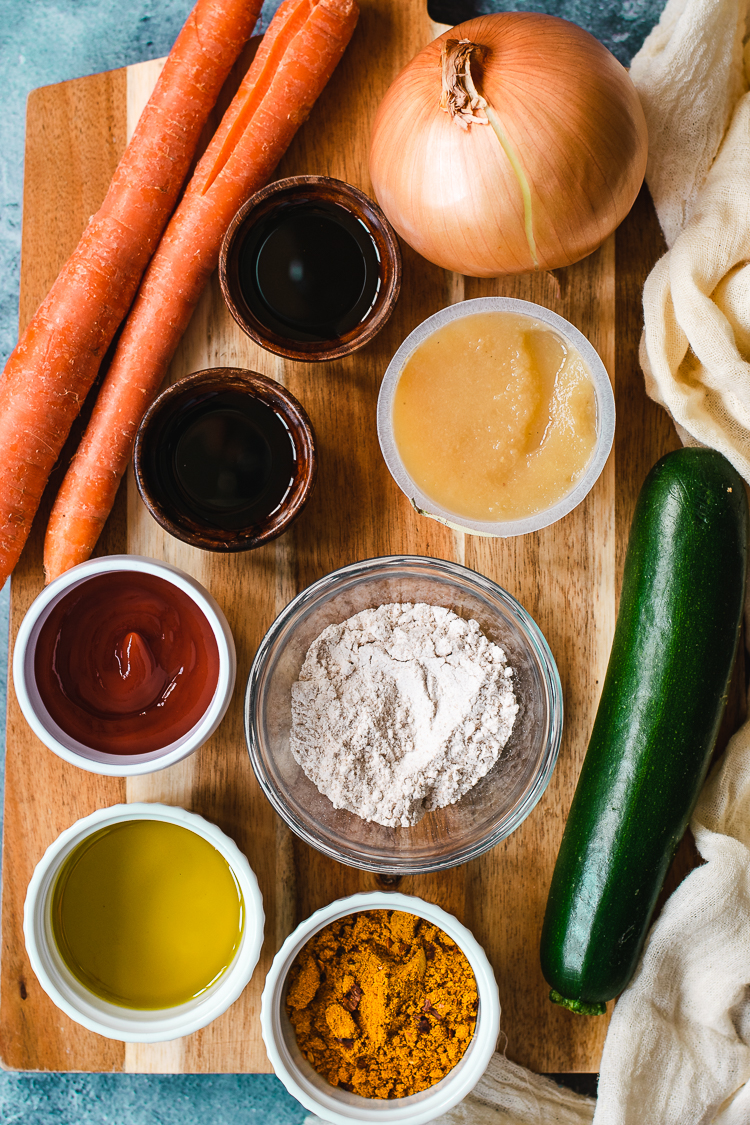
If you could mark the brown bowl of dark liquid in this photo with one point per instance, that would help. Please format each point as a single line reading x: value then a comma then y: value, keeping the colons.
x: 310, y: 268
x: 225, y: 459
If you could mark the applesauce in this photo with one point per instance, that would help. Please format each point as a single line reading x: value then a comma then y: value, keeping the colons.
x: 494, y: 416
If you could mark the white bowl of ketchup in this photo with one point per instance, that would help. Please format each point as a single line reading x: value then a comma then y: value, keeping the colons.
x: 124, y: 665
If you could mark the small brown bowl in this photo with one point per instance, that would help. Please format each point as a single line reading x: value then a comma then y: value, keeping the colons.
x: 174, y: 433
x: 254, y: 222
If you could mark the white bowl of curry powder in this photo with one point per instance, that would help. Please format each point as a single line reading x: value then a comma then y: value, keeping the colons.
x: 375, y: 996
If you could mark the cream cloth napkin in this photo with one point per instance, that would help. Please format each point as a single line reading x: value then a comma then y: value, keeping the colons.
x: 696, y: 342
x: 510, y: 1095
x: 678, y: 1047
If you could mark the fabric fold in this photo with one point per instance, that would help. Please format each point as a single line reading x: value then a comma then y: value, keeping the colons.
x: 508, y: 1094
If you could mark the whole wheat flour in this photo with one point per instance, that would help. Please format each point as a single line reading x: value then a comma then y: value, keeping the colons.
x: 400, y: 710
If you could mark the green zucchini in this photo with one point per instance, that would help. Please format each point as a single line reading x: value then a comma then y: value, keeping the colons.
x: 656, y: 725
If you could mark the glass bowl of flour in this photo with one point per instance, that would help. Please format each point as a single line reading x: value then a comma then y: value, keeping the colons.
x: 403, y: 714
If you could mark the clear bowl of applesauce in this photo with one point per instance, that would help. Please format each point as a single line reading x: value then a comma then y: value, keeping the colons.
x: 496, y: 416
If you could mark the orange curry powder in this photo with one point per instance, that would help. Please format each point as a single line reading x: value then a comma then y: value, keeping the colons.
x: 382, y: 1003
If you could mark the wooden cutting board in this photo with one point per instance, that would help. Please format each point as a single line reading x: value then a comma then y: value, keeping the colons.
x: 566, y: 576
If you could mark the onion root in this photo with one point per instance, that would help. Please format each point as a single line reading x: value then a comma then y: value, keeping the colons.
x: 460, y: 97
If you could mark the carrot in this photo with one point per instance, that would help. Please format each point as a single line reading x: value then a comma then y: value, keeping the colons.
x: 302, y: 46
x: 57, y: 358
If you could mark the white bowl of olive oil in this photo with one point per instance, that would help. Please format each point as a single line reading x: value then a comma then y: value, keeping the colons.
x: 496, y: 416
x: 143, y: 922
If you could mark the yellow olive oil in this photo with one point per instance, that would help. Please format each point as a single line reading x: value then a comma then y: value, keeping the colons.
x: 147, y: 914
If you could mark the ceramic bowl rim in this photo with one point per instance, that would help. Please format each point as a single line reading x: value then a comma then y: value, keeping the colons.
x: 419, y: 1108
x: 533, y: 636
x: 140, y: 1026
x: 123, y: 765
x: 605, y: 400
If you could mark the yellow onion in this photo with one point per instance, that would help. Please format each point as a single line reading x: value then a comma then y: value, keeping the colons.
x: 512, y: 142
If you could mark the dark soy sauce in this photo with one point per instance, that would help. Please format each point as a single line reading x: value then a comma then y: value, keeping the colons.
x: 309, y: 271
x: 226, y: 461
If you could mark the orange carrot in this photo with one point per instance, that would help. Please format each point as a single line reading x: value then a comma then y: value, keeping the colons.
x: 302, y: 46
x: 57, y: 358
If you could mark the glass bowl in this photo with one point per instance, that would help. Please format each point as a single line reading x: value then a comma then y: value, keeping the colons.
x: 487, y: 813
x: 251, y: 226
x: 169, y: 418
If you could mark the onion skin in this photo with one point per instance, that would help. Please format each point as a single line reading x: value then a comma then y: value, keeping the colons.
x: 574, y: 119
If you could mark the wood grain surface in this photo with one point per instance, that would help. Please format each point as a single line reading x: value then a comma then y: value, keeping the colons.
x: 566, y: 576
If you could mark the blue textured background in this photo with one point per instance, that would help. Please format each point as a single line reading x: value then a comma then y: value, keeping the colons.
x: 621, y: 25
x: 47, y: 41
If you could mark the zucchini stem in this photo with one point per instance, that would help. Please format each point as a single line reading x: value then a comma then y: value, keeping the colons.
x: 580, y: 1007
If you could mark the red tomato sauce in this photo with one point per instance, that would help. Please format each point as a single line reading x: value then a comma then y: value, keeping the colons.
x: 126, y: 663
